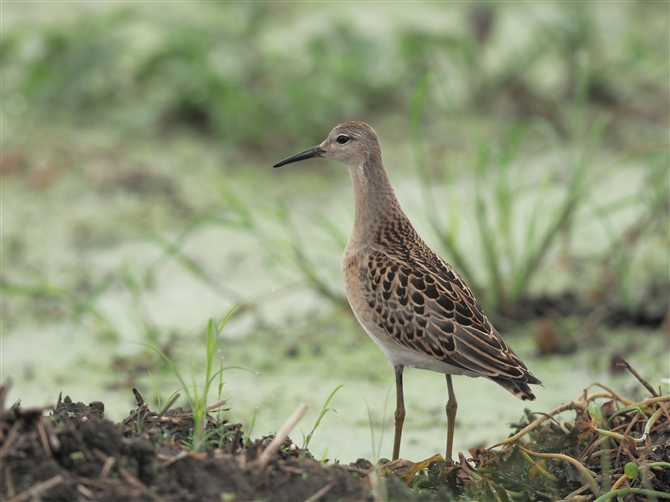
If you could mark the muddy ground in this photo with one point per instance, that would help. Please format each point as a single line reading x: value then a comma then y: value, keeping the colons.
x: 74, y: 453
x: 71, y: 452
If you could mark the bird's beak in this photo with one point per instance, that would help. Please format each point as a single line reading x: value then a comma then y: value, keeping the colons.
x: 316, y: 151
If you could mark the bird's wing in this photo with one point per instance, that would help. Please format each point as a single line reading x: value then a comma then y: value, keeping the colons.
x: 428, y: 308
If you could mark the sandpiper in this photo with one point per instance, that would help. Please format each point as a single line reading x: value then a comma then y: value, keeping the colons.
x: 413, y: 305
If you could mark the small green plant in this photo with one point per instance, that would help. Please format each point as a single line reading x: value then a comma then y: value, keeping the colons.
x: 375, y: 453
x: 632, y: 249
x: 155, y: 384
x: 376, y: 450
x: 225, y: 434
x: 324, y: 410
x: 134, y: 287
x: 173, y: 397
x: 195, y: 444
x: 141, y: 417
x: 198, y: 399
x: 246, y: 437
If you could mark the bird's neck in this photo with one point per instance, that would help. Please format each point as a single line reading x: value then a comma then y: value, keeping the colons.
x: 376, y: 203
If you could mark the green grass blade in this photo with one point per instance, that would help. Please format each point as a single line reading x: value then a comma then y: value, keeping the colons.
x: 324, y: 410
x: 247, y: 436
x: 375, y: 455
x: 158, y: 394
x: 175, y: 370
x: 486, y: 233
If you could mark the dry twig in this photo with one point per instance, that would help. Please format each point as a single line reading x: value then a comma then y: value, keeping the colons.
x: 281, y: 435
x: 634, y: 372
x: 36, y: 491
x: 321, y: 492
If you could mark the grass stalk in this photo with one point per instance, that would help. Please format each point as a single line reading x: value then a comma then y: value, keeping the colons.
x: 324, y: 410
x: 576, y: 192
x: 247, y: 436
x: 509, y: 268
x: 198, y: 399
x: 375, y: 452
x: 487, y: 235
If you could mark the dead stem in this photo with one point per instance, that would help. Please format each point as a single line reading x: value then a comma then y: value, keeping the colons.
x: 618, y: 483
x: 566, y: 406
x: 217, y: 404
x: 580, y: 405
x: 417, y: 466
x: 43, y: 437
x: 614, y: 394
x: 281, y: 435
x: 633, y: 421
x: 598, y: 395
x: 139, y: 400
x: 321, y: 492
x: 168, y: 405
x: 136, y: 483
x: 634, y: 372
x: 37, y: 490
x: 85, y: 492
x: 651, y: 400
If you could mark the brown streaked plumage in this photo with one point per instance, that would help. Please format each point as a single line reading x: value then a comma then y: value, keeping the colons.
x: 413, y: 305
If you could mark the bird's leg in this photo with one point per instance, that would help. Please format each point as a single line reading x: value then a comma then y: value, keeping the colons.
x: 451, y: 408
x: 399, y: 411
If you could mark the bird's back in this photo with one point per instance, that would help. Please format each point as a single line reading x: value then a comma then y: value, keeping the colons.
x: 420, y: 311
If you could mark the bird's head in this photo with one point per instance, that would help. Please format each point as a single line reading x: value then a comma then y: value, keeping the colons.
x: 352, y: 143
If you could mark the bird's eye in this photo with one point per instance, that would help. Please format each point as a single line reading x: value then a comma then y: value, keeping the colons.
x: 342, y: 139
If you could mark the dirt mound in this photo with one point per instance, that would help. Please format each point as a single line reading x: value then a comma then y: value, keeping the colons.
x: 76, y: 454
x: 615, y: 449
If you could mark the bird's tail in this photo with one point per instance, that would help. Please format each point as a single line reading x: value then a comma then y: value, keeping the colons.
x: 519, y: 388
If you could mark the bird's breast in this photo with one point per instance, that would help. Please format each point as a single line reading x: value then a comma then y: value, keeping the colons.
x: 353, y: 275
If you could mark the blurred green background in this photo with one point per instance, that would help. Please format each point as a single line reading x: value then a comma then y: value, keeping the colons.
x: 528, y: 142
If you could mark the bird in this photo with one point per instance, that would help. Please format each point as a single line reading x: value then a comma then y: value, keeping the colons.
x: 411, y: 302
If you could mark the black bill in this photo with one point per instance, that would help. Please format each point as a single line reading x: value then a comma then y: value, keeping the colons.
x: 316, y: 151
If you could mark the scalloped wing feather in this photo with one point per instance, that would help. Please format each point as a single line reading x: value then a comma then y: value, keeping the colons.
x: 424, y: 306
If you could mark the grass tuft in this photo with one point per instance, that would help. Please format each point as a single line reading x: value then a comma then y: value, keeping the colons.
x: 198, y: 399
